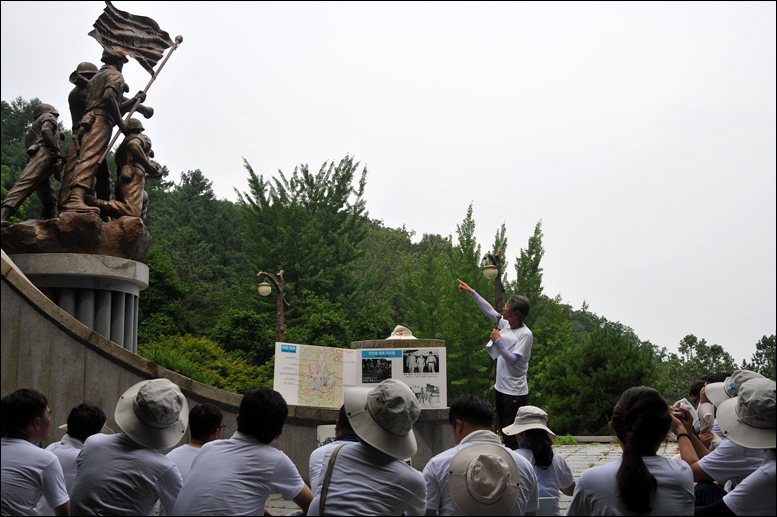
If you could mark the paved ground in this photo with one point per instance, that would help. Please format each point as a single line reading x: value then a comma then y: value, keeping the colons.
x: 579, y: 457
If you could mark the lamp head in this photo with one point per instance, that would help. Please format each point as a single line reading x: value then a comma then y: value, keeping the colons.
x: 265, y: 289
x: 490, y: 271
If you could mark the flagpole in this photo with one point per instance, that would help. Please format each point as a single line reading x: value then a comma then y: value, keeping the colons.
x: 178, y: 41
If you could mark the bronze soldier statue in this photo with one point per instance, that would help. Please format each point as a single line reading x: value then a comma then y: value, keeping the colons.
x: 132, y: 160
x: 104, y: 106
x: 45, y: 158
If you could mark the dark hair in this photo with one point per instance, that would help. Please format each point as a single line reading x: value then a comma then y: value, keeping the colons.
x: 718, y: 377
x: 262, y: 414
x: 345, y: 424
x: 204, y: 419
x: 473, y: 410
x: 541, y: 447
x: 85, y: 420
x: 695, y: 390
x: 519, y: 305
x: 641, y: 420
x: 20, y: 408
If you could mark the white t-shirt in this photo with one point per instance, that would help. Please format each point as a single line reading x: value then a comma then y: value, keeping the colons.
x: 235, y: 477
x: 730, y: 461
x: 366, y: 481
x: 66, y: 452
x: 552, y: 479
x: 183, y: 457
x: 511, y: 380
x: 756, y: 495
x: 597, y: 493
x: 438, y: 495
x: 27, y: 473
x: 118, y: 476
x: 315, y: 466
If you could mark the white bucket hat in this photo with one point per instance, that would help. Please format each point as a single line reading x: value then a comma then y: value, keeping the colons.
x: 529, y: 417
x: 383, y: 416
x: 483, y: 480
x: 749, y: 419
x: 153, y: 413
x: 718, y: 392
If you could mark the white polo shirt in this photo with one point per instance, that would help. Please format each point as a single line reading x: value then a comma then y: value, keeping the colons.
x: 366, y: 481
x: 182, y: 457
x: 730, y: 461
x: 235, y: 477
x: 756, y: 495
x: 66, y: 451
x: 28, y: 472
x: 552, y: 479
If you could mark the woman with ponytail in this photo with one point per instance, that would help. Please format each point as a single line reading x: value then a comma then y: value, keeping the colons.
x: 535, y: 443
x: 641, y: 482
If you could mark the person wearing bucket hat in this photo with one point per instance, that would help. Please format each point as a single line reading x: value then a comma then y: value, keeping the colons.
x: 236, y: 476
x: 641, y: 482
x: 124, y: 473
x: 28, y: 472
x: 750, y: 420
x: 719, y: 471
x: 510, y: 345
x: 83, y: 421
x: 479, y: 476
x: 535, y: 441
x: 369, y: 477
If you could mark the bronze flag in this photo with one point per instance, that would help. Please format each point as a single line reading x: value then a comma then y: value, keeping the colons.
x: 124, y: 34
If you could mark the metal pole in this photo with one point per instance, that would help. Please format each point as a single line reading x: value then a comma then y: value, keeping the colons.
x: 279, y: 326
x: 178, y: 40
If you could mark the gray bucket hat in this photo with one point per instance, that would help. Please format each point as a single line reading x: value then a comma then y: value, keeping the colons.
x: 718, y: 392
x: 749, y: 419
x: 529, y: 417
x: 153, y: 413
x: 383, y: 416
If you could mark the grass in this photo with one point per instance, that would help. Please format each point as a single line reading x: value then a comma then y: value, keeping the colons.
x: 606, y: 453
x: 565, y: 440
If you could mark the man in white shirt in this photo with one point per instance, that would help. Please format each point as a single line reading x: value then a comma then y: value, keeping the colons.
x: 124, y: 474
x: 82, y: 422
x: 28, y: 471
x: 205, y: 425
x: 472, y: 420
x: 343, y: 434
x: 750, y: 420
x: 236, y: 476
x: 729, y: 462
x: 369, y: 477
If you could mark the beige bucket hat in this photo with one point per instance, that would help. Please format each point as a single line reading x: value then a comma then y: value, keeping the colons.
x: 718, y: 392
x: 750, y: 419
x: 383, y: 416
x: 153, y: 413
x: 529, y: 417
x: 483, y: 480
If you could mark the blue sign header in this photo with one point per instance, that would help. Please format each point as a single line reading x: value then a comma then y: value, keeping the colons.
x: 289, y: 348
x: 381, y: 353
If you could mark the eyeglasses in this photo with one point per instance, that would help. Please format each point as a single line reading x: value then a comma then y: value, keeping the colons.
x: 222, y: 426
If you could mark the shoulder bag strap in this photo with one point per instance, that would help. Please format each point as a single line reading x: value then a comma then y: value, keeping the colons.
x: 327, y: 477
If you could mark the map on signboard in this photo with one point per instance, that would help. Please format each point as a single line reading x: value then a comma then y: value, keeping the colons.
x: 320, y: 377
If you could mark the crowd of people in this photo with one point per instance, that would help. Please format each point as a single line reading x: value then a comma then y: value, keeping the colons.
x: 364, y: 471
x: 725, y: 465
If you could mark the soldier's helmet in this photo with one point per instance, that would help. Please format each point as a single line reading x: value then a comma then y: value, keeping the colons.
x: 42, y: 108
x: 134, y: 124
x: 85, y: 70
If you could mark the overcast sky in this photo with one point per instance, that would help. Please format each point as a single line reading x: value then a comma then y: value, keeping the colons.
x: 641, y: 134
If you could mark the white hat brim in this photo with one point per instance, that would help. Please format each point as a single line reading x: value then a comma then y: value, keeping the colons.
x: 368, y: 430
x: 518, y: 429
x: 742, y: 434
x: 716, y: 393
x: 145, y: 435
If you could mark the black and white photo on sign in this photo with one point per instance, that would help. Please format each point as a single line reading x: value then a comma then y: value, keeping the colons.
x: 375, y: 370
x: 426, y: 394
x: 420, y: 361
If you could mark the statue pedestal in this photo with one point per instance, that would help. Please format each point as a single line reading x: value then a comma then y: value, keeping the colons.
x: 99, y: 290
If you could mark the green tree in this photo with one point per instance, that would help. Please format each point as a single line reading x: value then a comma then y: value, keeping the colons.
x: 552, y: 337
x: 309, y: 225
x: 528, y: 281
x: 583, y: 385
x: 763, y: 360
x: 159, y: 309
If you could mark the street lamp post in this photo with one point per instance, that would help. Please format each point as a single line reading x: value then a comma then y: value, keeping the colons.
x: 265, y: 289
x: 494, y: 271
